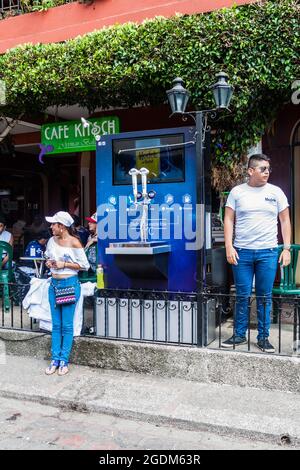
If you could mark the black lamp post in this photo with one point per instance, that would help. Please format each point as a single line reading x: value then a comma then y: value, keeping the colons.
x: 178, y: 98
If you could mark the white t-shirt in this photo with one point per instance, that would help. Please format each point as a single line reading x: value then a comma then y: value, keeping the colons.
x: 256, y: 215
x: 5, y: 236
x: 63, y: 253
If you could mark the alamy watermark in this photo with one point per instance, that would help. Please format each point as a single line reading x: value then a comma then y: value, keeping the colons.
x: 2, y: 92
x: 165, y: 222
x: 296, y: 93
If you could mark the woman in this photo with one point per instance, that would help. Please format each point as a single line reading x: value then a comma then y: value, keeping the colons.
x: 65, y: 257
x: 80, y: 231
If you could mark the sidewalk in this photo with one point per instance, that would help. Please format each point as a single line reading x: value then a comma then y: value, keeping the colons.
x: 221, y: 409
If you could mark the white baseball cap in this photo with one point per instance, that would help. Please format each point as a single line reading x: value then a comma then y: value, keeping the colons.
x: 61, y: 217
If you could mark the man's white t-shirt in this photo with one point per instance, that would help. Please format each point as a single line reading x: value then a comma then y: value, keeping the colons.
x: 256, y: 215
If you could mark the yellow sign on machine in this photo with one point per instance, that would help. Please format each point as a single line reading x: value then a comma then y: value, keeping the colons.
x: 149, y: 159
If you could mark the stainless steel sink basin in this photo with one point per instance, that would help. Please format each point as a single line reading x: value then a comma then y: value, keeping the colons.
x: 137, y: 248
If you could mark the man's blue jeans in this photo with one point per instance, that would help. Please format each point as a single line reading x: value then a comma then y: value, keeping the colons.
x: 262, y: 264
x: 62, y: 320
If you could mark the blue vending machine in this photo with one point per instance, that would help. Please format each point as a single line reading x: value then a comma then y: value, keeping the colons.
x: 146, y: 208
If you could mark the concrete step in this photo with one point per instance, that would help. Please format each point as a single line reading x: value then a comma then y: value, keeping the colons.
x: 272, y: 416
x: 243, y: 369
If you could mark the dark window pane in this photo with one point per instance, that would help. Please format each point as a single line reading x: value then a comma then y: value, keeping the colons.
x: 165, y: 164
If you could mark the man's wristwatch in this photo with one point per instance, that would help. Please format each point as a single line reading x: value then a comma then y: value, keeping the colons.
x: 287, y: 247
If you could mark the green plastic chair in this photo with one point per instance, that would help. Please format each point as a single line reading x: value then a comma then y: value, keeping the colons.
x: 6, y: 275
x: 287, y: 286
x: 88, y: 276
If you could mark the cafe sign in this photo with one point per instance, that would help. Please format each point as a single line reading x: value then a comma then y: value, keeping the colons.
x: 76, y: 136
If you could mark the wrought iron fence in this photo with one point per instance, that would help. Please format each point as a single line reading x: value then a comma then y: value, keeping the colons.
x: 283, y: 331
x: 166, y: 317
x: 10, y: 5
x: 13, y: 315
x: 207, y: 319
x: 175, y: 318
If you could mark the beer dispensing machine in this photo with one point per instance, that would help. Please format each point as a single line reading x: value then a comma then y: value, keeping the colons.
x: 150, y: 231
x: 149, y: 224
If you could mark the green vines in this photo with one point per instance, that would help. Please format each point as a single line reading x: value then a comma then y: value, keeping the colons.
x: 258, y: 45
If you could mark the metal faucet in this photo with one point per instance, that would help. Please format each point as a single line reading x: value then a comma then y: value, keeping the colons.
x: 143, y: 198
x: 133, y: 173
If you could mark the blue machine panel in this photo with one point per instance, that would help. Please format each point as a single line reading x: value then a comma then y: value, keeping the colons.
x: 171, y: 214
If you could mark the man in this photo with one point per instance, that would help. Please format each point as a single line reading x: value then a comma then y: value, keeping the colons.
x: 38, y: 225
x: 7, y: 237
x: 37, y: 247
x: 252, y: 209
x: 27, y: 269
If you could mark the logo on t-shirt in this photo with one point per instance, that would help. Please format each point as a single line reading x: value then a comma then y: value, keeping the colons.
x: 270, y: 199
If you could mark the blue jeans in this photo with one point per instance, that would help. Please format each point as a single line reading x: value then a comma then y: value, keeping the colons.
x: 62, y: 320
x: 262, y: 264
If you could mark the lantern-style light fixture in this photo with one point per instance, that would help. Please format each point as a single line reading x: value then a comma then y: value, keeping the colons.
x: 222, y: 91
x: 178, y: 96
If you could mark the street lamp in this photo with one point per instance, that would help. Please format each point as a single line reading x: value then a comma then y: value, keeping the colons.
x: 178, y: 98
x: 222, y: 91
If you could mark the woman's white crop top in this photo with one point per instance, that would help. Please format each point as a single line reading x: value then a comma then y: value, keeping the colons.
x: 69, y: 255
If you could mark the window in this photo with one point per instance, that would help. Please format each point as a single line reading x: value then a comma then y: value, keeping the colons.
x: 165, y: 164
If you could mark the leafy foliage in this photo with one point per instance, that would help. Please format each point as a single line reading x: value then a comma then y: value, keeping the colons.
x: 258, y: 46
x: 28, y: 6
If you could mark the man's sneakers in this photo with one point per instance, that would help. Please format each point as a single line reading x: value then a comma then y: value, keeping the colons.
x: 51, y: 369
x: 62, y: 367
x: 265, y: 345
x: 234, y: 340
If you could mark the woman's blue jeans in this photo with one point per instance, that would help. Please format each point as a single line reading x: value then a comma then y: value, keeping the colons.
x: 263, y: 264
x: 62, y: 320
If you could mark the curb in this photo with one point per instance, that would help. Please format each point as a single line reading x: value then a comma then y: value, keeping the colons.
x: 162, y: 420
x: 243, y: 369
